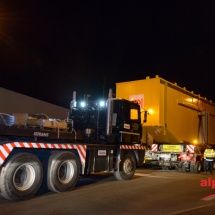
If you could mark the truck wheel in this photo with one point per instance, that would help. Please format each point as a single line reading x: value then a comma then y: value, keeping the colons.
x: 197, y: 167
x: 192, y: 168
x: 164, y: 167
x: 63, y: 172
x: 128, y: 167
x: 21, y: 178
x: 185, y: 168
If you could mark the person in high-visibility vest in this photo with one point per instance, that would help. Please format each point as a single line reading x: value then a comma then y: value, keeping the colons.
x: 209, y: 156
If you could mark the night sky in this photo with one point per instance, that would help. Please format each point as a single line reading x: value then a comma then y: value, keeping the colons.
x: 48, y: 49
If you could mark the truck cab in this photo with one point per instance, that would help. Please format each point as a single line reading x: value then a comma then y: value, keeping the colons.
x: 119, y: 121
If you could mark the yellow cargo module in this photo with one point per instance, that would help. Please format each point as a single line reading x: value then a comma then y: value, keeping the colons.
x: 174, y: 114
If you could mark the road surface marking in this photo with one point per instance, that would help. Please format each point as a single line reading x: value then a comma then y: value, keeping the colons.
x: 149, y: 175
x: 208, y: 198
x: 190, y: 209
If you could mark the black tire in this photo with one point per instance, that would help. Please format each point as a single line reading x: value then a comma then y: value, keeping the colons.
x: 21, y: 177
x: 192, y: 168
x: 197, y: 167
x: 127, y: 168
x: 170, y: 167
x: 185, y: 168
x: 164, y: 167
x: 63, y: 172
x: 179, y: 169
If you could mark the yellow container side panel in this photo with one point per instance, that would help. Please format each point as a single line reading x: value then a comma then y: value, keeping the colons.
x: 211, y: 129
x: 149, y: 90
x: 210, y: 108
x: 190, y: 118
x: 161, y: 106
x: 183, y: 122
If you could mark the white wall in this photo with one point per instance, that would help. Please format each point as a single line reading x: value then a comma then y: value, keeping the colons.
x: 12, y: 102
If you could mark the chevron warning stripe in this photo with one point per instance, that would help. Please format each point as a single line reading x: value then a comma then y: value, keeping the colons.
x: 191, y: 148
x: 132, y: 147
x: 7, y: 148
x: 154, y: 147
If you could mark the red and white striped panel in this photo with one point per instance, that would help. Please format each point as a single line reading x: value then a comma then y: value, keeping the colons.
x: 6, y: 149
x: 154, y: 147
x: 132, y: 147
x: 190, y: 148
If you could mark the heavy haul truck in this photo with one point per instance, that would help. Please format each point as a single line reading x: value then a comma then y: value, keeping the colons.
x: 36, y: 150
x: 151, y: 121
x: 178, y: 124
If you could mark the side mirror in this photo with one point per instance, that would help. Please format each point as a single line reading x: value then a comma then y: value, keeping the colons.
x: 145, y: 116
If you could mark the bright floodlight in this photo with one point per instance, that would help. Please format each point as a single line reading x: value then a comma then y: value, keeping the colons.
x: 83, y: 104
x: 101, y: 103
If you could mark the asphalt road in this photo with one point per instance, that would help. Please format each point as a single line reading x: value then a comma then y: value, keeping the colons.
x: 149, y: 192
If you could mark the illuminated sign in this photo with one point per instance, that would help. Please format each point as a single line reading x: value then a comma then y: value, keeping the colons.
x: 171, y: 148
x: 138, y: 99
